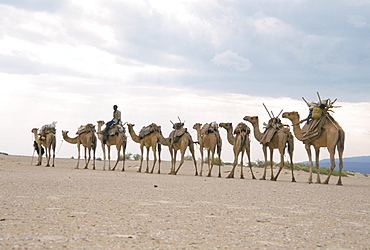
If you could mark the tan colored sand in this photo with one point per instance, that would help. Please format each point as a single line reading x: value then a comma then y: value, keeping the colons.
x: 63, y: 207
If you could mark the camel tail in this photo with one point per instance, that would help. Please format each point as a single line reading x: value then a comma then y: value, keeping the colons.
x: 340, y: 143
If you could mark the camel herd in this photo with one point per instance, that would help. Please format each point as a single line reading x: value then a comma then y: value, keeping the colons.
x: 331, y: 136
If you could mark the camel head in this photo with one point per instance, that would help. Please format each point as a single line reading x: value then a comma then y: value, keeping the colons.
x: 101, y: 123
x: 130, y: 125
x: 291, y: 115
x: 226, y: 125
x: 251, y: 119
x: 65, y: 132
x: 197, y: 126
x: 34, y: 130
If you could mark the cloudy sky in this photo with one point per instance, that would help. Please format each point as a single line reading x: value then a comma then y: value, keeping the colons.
x: 70, y: 61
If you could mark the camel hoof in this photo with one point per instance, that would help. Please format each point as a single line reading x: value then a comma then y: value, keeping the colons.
x: 219, y: 176
x: 263, y: 178
x: 196, y: 174
x: 48, y: 166
x: 253, y: 178
x: 241, y: 177
x: 293, y: 180
x: 325, y: 182
x: 339, y: 184
x: 230, y: 177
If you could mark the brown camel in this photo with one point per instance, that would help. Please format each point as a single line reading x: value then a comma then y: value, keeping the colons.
x: 241, y: 143
x: 49, y: 143
x: 88, y: 141
x: 210, y: 142
x: 183, y: 142
x: 119, y: 139
x: 148, y: 141
x: 279, y: 141
x: 331, y: 137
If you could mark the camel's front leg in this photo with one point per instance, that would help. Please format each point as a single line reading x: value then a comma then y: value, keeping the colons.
x: 104, y: 155
x: 236, y: 155
x: 124, y: 155
x: 48, y: 153
x: 308, y: 150
x: 202, y: 161
x: 93, y: 158
x: 191, y: 148
x: 210, y: 162
x: 282, y: 151
x: 141, y: 158
x: 241, y: 166
x: 159, y: 157
x: 87, y: 151
x: 172, y: 170
x: 248, y: 151
x: 264, y: 148
x: 155, y: 158
x: 118, y: 156
x: 317, y: 154
x: 108, y: 157
x: 272, y: 163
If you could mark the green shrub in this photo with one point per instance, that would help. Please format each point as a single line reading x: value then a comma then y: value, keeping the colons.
x: 136, y: 157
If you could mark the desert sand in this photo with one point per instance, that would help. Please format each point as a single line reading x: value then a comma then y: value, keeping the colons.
x: 63, y: 207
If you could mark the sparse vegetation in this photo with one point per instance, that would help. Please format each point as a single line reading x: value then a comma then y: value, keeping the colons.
x: 188, y: 158
x: 3, y: 153
x: 136, y: 157
x: 98, y: 159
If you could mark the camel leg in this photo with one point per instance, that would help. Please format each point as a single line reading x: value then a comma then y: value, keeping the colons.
x: 191, y: 148
x: 172, y: 170
x: 248, y: 151
x: 340, y: 152
x: 93, y: 163
x: 104, y: 156
x: 141, y: 158
x: 202, y: 161
x: 47, y: 153
x: 308, y: 150
x: 109, y: 158
x: 317, y: 152
x: 155, y: 158
x: 53, y: 147
x: 264, y: 148
x: 39, y: 158
x: 332, y: 164
x: 147, y: 160
x: 236, y: 155
x: 282, y: 151
x: 124, y: 155
x: 159, y: 157
x: 290, y: 151
x: 241, y: 166
x: 182, y: 152
x: 118, y: 156
x: 78, y: 155
x: 87, y: 150
x: 271, y: 163
x: 219, y: 162
x: 210, y: 163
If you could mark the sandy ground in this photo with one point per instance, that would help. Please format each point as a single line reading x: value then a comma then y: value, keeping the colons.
x: 63, y: 207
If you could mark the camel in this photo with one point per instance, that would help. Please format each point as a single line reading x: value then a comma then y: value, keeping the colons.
x: 181, y: 144
x: 88, y: 141
x: 279, y: 141
x: 148, y: 141
x: 210, y: 142
x: 119, y: 139
x: 331, y: 137
x: 49, y: 143
x: 241, y: 143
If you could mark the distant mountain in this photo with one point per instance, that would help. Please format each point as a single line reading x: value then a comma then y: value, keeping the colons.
x: 359, y: 164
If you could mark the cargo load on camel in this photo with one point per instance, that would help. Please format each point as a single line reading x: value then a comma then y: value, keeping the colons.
x: 317, y: 117
x: 146, y: 130
x: 88, y: 128
x: 273, y: 125
x: 46, y: 129
x: 178, y: 131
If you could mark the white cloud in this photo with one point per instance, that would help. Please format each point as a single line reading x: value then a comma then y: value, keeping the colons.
x: 232, y: 60
x: 358, y: 21
x: 271, y: 26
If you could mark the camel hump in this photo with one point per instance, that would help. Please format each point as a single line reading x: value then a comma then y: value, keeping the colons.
x: 209, y: 128
x: 242, y: 127
x: 86, y: 129
x: 176, y: 134
x: 48, y: 128
x: 149, y: 129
